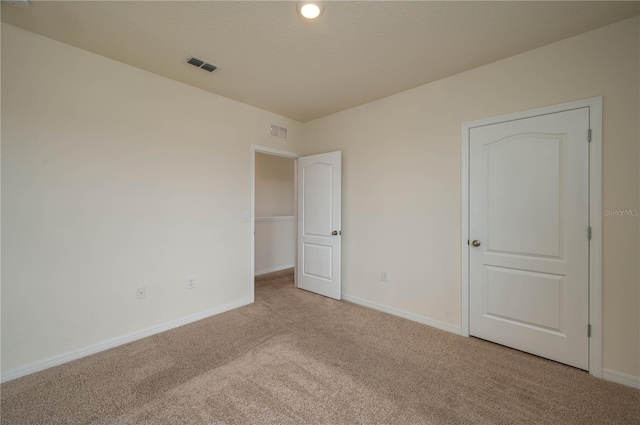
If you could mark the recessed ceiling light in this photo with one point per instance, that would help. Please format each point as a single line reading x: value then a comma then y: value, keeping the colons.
x: 310, y: 10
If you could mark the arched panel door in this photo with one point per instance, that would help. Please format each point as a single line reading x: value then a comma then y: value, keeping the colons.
x: 528, y: 228
x: 319, y: 223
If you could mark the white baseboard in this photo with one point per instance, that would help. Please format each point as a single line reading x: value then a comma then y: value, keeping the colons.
x: 274, y: 269
x: 621, y: 378
x: 21, y: 371
x: 403, y: 314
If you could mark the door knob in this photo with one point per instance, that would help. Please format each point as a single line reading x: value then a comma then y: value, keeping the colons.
x: 334, y: 233
x: 476, y: 243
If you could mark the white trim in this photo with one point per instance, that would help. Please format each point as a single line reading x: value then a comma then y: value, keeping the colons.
x: 275, y: 269
x: 464, y: 243
x: 595, y: 216
x: 400, y: 313
x: 277, y: 218
x: 21, y: 371
x: 595, y: 245
x: 621, y: 378
x: 276, y: 152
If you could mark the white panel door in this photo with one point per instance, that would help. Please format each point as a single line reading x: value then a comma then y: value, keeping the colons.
x: 528, y: 247
x: 319, y: 223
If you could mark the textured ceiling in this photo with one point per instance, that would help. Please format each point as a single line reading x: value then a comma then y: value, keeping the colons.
x: 355, y: 53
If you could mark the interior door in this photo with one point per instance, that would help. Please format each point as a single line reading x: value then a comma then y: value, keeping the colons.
x: 319, y: 223
x: 529, y: 247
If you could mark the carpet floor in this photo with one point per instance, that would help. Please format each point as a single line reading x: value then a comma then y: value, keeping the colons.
x: 294, y: 357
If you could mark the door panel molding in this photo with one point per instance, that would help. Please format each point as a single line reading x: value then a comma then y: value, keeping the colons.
x: 595, y: 215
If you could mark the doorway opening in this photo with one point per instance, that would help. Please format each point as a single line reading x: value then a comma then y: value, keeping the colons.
x: 273, y: 212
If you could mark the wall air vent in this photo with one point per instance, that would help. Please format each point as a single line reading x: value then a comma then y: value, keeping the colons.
x: 280, y: 132
x: 201, y: 64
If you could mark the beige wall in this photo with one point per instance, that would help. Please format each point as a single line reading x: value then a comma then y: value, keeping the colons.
x: 275, y: 245
x: 115, y: 178
x: 274, y: 185
x: 275, y: 241
x: 401, y: 177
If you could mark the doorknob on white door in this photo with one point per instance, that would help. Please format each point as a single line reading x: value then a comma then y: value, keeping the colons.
x: 476, y: 243
x: 334, y: 233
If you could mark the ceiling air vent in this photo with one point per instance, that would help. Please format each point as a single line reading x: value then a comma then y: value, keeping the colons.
x: 201, y: 64
x: 209, y: 67
x: 280, y: 132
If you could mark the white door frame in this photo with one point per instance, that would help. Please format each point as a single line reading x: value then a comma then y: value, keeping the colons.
x: 595, y: 216
x: 276, y: 152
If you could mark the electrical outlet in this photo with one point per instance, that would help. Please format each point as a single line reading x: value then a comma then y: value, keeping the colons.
x: 384, y: 276
x: 191, y: 282
x: 142, y: 292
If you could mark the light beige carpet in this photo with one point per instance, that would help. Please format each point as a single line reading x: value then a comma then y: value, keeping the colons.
x: 294, y: 357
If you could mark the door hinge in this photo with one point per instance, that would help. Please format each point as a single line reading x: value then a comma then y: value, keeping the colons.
x: 589, y: 136
x: 589, y: 233
x: 589, y: 330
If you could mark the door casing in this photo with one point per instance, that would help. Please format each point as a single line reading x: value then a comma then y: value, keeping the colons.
x: 595, y: 216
